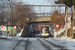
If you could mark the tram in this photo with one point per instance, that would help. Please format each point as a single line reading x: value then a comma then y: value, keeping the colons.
x: 45, y: 31
x: 12, y: 31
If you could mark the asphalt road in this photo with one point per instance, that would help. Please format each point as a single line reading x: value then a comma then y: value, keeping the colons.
x: 34, y: 44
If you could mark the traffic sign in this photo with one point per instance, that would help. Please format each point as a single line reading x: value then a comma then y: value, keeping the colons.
x: 14, y: 27
x: 57, y: 25
x: 2, y: 26
x: 19, y: 28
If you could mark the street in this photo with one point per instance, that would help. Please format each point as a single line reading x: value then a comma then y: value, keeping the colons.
x: 19, y: 43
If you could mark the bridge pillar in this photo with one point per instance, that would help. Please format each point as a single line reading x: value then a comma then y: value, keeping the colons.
x: 26, y: 31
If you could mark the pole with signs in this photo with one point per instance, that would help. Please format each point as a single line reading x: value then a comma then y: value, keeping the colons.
x: 2, y: 30
x: 57, y: 26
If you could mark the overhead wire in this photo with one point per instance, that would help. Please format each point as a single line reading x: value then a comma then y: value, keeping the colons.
x: 40, y: 7
x: 42, y: 4
x: 35, y: 1
x: 45, y: 6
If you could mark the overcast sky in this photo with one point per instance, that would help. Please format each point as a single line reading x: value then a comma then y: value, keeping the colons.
x: 44, y: 9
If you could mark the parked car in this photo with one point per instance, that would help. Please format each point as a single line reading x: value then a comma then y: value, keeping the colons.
x: 37, y: 33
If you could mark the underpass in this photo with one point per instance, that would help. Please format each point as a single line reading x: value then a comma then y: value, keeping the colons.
x: 32, y: 23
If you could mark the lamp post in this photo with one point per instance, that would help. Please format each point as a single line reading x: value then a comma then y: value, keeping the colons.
x: 9, y: 12
x: 8, y: 23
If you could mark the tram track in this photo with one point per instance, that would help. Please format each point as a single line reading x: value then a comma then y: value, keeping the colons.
x: 20, y: 42
x: 46, y: 46
x: 57, y: 46
x: 26, y: 46
x: 32, y: 45
x: 64, y: 42
x: 36, y: 44
x: 17, y: 44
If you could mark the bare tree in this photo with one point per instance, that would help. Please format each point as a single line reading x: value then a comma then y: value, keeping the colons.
x: 19, y: 13
x: 3, y: 7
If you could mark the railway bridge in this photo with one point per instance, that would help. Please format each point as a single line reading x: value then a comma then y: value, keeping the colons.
x: 39, y: 19
x: 35, y: 20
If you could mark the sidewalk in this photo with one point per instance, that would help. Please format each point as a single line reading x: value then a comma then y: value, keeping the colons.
x: 67, y: 38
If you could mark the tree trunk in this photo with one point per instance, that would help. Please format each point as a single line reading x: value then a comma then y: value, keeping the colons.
x: 66, y: 12
x: 72, y: 22
x: 74, y: 10
x: 54, y: 30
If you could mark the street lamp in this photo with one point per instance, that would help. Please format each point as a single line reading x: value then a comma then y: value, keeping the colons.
x: 9, y: 12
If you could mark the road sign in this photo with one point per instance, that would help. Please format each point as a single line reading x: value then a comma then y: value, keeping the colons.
x: 14, y: 27
x: 57, y: 25
x: 2, y: 26
x: 19, y: 28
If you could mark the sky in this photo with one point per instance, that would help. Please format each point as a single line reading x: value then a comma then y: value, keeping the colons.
x: 44, y: 9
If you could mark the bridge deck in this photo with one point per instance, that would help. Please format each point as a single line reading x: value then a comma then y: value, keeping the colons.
x: 40, y: 19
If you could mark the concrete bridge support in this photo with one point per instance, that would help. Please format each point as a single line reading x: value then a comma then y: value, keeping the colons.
x: 26, y: 31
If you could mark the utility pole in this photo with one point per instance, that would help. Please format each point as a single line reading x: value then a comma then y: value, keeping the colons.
x: 9, y: 12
